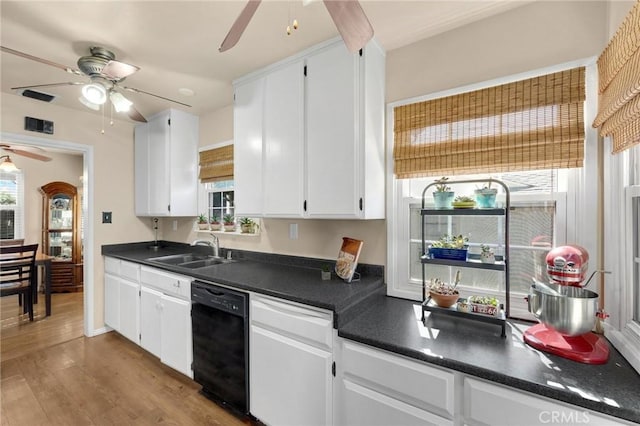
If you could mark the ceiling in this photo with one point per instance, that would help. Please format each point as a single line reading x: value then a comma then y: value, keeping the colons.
x: 175, y: 43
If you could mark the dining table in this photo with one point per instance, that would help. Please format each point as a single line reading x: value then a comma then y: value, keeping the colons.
x: 45, y: 261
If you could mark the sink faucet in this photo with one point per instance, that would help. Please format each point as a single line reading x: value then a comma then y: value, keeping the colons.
x: 215, y: 244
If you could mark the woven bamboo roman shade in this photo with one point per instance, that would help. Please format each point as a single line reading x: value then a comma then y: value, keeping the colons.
x: 216, y: 164
x: 530, y: 124
x: 619, y: 85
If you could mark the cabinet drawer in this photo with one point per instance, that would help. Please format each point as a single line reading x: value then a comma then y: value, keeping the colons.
x: 302, y: 323
x: 426, y: 387
x: 112, y: 265
x: 166, y: 282
x: 130, y: 270
x: 365, y: 407
x: 486, y: 403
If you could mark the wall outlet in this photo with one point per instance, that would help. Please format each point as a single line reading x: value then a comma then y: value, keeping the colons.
x: 174, y: 225
x: 293, y: 231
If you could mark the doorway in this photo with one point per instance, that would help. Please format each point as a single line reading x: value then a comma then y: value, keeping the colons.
x: 86, y: 184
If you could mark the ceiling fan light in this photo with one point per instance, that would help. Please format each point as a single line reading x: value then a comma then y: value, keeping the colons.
x: 94, y: 93
x: 88, y: 104
x: 120, y: 103
x: 7, y: 165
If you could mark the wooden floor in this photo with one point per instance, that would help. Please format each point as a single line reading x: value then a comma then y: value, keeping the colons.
x: 103, y: 380
x: 19, y: 336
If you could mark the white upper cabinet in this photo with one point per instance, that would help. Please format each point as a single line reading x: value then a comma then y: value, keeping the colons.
x: 166, y: 165
x: 283, y: 174
x: 247, y: 149
x: 317, y: 136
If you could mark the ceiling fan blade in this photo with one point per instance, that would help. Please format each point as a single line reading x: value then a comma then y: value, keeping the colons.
x: 42, y: 61
x: 135, y: 115
x: 28, y: 154
x: 131, y: 89
x: 351, y: 22
x: 239, y: 25
x: 68, y: 83
x: 116, y: 70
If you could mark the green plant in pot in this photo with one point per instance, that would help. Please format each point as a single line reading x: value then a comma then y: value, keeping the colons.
x: 229, y: 223
x: 326, y: 272
x: 443, y: 195
x: 486, y: 197
x: 215, y: 223
x: 203, y: 222
x: 248, y: 225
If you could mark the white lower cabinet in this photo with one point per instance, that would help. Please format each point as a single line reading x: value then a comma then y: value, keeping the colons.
x: 152, y: 308
x: 380, y: 388
x: 165, y: 318
x: 486, y: 403
x: 290, y: 363
x: 121, y: 307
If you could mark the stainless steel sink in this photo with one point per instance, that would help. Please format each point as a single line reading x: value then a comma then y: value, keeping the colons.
x: 190, y: 260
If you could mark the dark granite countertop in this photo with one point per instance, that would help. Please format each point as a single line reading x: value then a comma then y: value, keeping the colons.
x: 478, y: 350
x: 287, y: 277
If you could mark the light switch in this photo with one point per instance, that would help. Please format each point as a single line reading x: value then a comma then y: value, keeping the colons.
x: 106, y: 217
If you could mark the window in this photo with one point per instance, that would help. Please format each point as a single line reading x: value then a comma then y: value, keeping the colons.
x: 11, y: 205
x: 634, y: 258
x: 536, y: 224
x: 549, y: 196
x: 219, y: 197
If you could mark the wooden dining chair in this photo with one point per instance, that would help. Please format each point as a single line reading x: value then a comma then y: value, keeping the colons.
x: 17, y: 242
x: 18, y: 274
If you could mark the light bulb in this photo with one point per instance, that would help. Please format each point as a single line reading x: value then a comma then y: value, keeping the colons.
x: 94, y: 93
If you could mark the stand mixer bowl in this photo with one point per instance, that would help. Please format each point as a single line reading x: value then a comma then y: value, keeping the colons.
x: 569, y: 310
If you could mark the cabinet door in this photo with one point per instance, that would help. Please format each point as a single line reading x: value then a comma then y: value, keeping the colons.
x: 159, y: 162
x: 112, y: 301
x: 247, y: 148
x: 284, y: 141
x: 365, y: 407
x: 290, y: 381
x: 332, y: 134
x: 150, y: 320
x: 183, y: 163
x: 129, y: 310
x: 177, y: 350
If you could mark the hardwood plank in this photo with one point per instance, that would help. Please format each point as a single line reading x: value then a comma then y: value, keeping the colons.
x: 19, y: 404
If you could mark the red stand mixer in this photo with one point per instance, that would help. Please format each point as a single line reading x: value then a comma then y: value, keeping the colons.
x: 566, y: 310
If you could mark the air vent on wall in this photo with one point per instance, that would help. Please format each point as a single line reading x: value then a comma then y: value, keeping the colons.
x: 38, y: 125
x: 44, y: 97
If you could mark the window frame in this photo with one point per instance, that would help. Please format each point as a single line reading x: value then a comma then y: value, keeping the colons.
x: 18, y: 231
x: 576, y: 220
x: 622, y: 172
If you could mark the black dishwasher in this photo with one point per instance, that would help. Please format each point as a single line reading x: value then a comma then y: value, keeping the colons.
x: 219, y: 318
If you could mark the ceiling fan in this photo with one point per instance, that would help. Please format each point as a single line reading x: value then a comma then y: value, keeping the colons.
x: 350, y: 20
x: 25, y: 151
x: 105, y: 75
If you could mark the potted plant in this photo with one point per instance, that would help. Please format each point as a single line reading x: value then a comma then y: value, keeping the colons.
x: 486, y: 254
x: 463, y: 202
x: 449, y: 247
x: 229, y: 223
x: 325, y: 272
x: 248, y: 225
x: 443, y: 195
x: 215, y: 223
x: 203, y: 223
x: 486, y: 197
x: 445, y: 295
